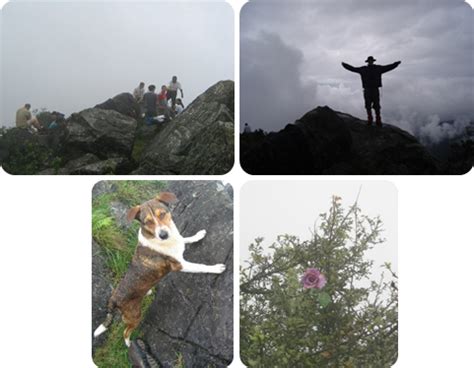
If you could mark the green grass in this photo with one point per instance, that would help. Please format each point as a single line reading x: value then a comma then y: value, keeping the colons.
x: 134, y: 192
x: 113, y: 353
x: 117, y: 246
x: 179, y: 362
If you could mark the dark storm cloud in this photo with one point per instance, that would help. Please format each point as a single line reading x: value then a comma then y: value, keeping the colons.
x: 268, y: 99
x: 434, y: 40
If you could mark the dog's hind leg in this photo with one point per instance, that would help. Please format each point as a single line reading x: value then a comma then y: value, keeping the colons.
x: 196, y: 237
x: 131, y: 317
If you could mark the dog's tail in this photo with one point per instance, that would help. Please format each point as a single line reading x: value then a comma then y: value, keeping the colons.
x: 108, y: 319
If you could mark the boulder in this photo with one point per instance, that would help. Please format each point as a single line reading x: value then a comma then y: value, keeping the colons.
x: 105, y: 133
x: 200, y: 140
x: 193, y: 313
x: 324, y: 141
x: 123, y: 103
x: 103, y: 187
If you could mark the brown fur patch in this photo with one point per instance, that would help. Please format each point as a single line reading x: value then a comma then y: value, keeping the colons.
x: 147, y: 268
x: 133, y: 213
x: 166, y: 197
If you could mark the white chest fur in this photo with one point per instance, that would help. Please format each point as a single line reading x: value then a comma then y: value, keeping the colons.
x: 173, y: 246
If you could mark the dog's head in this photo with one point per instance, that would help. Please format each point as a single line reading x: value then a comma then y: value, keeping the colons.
x: 154, y: 216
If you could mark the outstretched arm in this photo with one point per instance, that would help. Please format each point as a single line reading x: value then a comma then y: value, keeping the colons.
x: 350, y: 67
x: 387, y: 68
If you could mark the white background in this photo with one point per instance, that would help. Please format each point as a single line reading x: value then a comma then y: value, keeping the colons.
x: 45, y: 267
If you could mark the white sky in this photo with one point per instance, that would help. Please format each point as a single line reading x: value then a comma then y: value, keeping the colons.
x: 272, y: 208
x: 291, y: 54
x: 69, y: 56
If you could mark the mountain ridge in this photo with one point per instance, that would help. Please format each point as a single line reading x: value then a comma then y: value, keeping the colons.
x: 325, y: 141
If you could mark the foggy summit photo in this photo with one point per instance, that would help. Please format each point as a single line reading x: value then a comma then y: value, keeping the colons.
x: 115, y: 91
x: 409, y: 112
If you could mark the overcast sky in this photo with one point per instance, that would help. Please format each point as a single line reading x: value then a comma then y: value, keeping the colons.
x: 291, y: 55
x: 272, y: 208
x: 70, y: 56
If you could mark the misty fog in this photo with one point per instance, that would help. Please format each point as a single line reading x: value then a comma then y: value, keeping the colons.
x: 70, y: 56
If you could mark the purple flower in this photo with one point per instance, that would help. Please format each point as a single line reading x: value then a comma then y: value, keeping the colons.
x: 313, y: 278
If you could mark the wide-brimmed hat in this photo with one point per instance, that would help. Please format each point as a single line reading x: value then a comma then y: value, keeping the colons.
x: 370, y: 58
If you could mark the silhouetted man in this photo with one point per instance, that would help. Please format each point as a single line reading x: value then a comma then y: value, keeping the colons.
x: 371, y: 81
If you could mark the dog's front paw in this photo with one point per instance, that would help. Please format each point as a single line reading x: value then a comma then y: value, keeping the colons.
x: 218, y: 268
x: 200, y: 234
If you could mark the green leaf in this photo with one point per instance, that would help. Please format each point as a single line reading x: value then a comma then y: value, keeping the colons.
x: 324, y: 299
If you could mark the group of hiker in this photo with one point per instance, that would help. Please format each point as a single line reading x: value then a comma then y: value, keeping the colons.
x: 156, y: 107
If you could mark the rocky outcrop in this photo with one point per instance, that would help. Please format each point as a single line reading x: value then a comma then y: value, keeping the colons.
x: 324, y: 141
x: 112, y: 138
x: 191, y: 314
x: 105, y: 133
x: 123, y: 103
x: 200, y: 140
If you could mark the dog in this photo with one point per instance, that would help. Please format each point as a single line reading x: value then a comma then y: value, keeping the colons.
x: 159, y: 251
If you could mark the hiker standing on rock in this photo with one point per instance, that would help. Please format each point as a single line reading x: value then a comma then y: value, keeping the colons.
x: 139, y: 92
x: 150, y: 101
x: 371, y: 81
x: 173, y: 90
x: 163, y: 101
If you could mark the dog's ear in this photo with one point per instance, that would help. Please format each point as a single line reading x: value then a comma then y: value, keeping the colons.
x: 133, y: 213
x: 166, y: 197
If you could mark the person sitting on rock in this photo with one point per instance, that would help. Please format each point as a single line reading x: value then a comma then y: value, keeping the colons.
x: 179, y: 107
x: 150, y: 101
x: 53, y: 124
x: 25, y: 120
x: 173, y: 90
x: 371, y: 75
